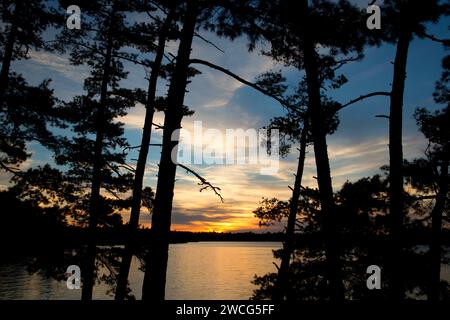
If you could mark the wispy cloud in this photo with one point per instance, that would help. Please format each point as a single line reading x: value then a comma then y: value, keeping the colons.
x: 59, y: 63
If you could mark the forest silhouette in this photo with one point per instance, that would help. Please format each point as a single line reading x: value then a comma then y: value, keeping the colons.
x: 396, y: 219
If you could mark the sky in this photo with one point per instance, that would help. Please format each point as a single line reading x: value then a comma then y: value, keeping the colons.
x: 358, y: 148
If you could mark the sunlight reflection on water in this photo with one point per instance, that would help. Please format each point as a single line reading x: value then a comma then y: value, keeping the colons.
x: 203, y: 270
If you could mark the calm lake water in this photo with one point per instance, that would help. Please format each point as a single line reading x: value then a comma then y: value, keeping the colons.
x: 197, y: 270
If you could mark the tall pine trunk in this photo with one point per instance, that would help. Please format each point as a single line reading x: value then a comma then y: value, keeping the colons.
x: 436, y: 227
x: 95, y: 199
x: 319, y: 132
x: 7, y: 56
x: 281, y: 285
x: 156, y: 259
x: 122, y: 280
x: 396, y: 161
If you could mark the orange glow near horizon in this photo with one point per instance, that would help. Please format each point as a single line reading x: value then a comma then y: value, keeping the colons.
x: 219, y: 227
x: 222, y: 226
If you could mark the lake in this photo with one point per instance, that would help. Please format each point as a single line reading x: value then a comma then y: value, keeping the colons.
x: 196, y: 270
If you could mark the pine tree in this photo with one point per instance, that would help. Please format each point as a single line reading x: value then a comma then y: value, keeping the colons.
x: 295, y: 29
x: 162, y: 31
x: 23, y: 25
x: 435, y: 128
x: 406, y: 19
x: 156, y: 261
x: 99, y: 162
x: 216, y: 16
x: 25, y: 110
x: 26, y: 114
x: 295, y: 128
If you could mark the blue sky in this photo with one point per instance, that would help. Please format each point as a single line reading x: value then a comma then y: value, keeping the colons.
x: 357, y: 149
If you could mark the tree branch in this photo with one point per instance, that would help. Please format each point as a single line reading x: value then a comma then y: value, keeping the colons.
x: 86, y: 46
x: 203, y: 182
x: 208, y: 42
x: 360, y: 98
x: 431, y: 197
x: 132, y: 60
x: 127, y: 167
x: 114, y: 169
x: 112, y: 193
x: 343, y: 62
x: 9, y: 169
x: 423, y: 219
x: 130, y: 148
x: 137, y: 147
x: 156, y: 4
x: 445, y: 42
x: 248, y: 83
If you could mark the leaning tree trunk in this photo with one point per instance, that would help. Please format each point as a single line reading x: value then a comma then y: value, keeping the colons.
x: 122, y: 280
x: 436, y: 227
x: 156, y: 259
x: 95, y: 199
x: 281, y: 284
x: 396, y: 162
x: 319, y: 133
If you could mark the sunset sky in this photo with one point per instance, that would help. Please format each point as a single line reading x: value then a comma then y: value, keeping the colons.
x: 356, y: 150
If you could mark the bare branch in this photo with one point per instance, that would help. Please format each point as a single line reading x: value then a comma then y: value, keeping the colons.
x: 360, y: 98
x: 126, y: 149
x: 431, y: 197
x: 382, y: 116
x: 203, y: 182
x: 114, y: 169
x: 112, y: 193
x: 156, y: 4
x: 445, y: 42
x: 9, y: 169
x: 343, y: 62
x: 126, y: 167
x: 151, y: 16
x: 423, y: 219
x: 248, y: 83
x: 208, y: 42
x: 169, y: 57
x: 130, y: 148
x: 132, y: 60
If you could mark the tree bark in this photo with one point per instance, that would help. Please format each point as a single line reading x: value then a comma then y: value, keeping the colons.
x: 319, y: 133
x: 122, y: 280
x: 281, y: 284
x: 95, y: 199
x: 436, y: 228
x: 8, y: 56
x: 396, y: 161
x: 156, y: 260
